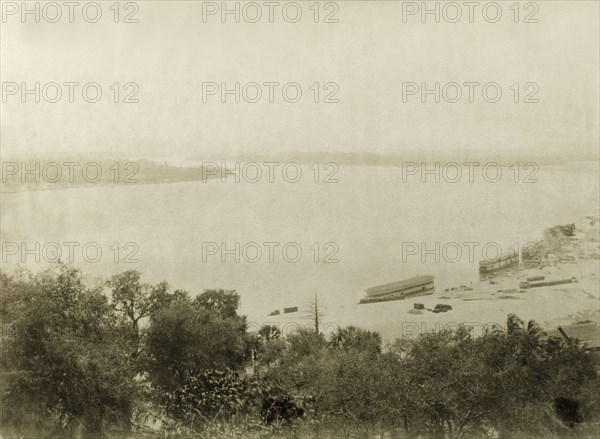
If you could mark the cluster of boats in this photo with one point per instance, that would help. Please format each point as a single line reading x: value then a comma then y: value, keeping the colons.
x: 423, y: 285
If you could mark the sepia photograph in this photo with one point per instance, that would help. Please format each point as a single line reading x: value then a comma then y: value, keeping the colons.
x: 308, y: 219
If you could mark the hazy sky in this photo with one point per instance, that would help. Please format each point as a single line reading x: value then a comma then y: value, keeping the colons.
x: 369, y: 54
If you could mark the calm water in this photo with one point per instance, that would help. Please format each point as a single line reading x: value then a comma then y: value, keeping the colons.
x: 368, y: 216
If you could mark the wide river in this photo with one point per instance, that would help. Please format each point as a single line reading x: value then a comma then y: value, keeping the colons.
x: 363, y: 222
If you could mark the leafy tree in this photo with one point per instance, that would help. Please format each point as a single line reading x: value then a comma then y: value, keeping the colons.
x: 447, y: 385
x: 266, y: 347
x: 67, y: 356
x: 345, y: 378
x: 304, y: 342
x: 136, y: 301
x: 225, y: 302
x: 184, y: 340
x: 452, y: 385
x: 353, y: 338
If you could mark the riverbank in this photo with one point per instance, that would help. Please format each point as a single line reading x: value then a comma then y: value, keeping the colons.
x: 39, y: 175
x: 488, y: 302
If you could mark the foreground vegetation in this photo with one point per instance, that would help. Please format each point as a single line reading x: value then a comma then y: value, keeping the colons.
x: 127, y: 359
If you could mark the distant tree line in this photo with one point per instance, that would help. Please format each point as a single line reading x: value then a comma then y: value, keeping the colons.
x: 38, y: 174
x: 92, y: 359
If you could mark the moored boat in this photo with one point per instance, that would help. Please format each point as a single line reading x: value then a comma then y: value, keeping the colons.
x: 415, y: 286
x: 499, y: 263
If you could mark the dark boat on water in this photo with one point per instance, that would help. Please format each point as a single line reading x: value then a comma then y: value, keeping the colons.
x: 415, y: 286
x: 499, y: 263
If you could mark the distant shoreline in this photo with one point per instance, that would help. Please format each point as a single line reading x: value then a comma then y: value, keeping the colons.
x: 126, y: 172
x: 154, y: 172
